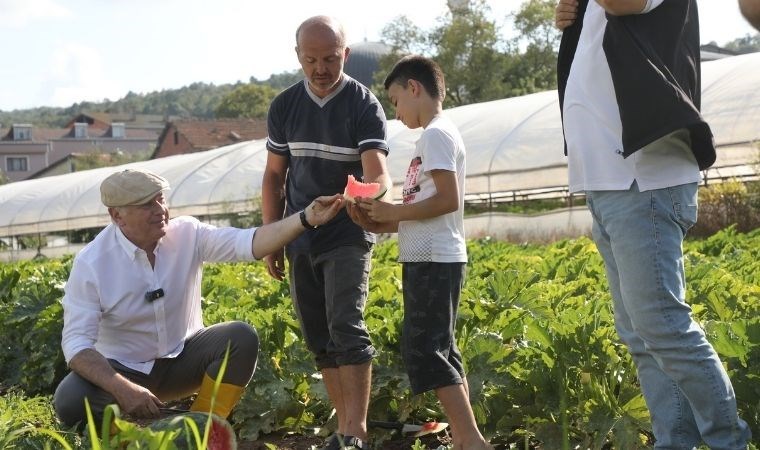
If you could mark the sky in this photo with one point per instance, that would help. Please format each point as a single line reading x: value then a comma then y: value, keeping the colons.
x: 59, y: 52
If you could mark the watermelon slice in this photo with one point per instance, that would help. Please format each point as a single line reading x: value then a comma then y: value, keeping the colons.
x: 221, y: 437
x: 355, y: 188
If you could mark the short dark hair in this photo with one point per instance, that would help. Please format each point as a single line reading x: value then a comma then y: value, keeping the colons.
x: 424, y: 70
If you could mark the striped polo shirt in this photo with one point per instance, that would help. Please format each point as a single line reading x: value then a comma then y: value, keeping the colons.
x: 323, y: 139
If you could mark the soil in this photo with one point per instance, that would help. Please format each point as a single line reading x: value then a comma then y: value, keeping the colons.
x: 290, y: 441
x: 300, y: 442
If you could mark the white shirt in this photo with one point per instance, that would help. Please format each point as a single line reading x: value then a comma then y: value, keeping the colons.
x: 441, y: 238
x: 105, y: 307
x: 593, y: 128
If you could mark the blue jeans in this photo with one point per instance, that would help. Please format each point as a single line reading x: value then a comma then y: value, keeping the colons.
x: 687, y: 391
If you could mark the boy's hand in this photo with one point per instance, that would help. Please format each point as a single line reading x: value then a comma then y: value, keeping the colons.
x: 360, y: 217
x: 376, y: 210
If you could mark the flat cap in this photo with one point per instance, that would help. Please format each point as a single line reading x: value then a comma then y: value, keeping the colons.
x: 131, y: 187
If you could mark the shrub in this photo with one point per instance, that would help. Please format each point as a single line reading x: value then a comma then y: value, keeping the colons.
x: 724, y: 204
x: 31, y: 316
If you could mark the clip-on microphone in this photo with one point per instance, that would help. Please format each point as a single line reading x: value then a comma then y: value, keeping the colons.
x: 152, y: 296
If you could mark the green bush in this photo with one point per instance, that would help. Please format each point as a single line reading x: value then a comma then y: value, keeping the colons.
x: 544, y: 363
x: 724, y: 204
x: 32, y: 320
x: 21, y: 418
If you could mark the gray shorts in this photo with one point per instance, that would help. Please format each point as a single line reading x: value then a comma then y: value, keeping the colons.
x: 171, y: 378
x: 329, y: 292
x: 428, y: 346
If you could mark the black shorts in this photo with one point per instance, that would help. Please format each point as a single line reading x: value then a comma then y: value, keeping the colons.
x: 329, y: 292
x: 428, y: 346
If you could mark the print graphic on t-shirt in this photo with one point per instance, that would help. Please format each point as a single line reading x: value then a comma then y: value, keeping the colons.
x: 411, y: 184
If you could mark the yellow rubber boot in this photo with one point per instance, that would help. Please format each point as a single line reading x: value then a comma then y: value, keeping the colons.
x: 226, y: 397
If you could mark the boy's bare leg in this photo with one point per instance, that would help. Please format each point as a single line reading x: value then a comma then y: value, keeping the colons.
x: 464, y: 430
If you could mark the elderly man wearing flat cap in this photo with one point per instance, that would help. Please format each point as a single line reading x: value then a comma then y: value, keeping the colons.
x: 133, y: 332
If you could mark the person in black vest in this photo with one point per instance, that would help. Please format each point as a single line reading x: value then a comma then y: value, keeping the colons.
x: 629, y: 89
x: 751, y: 11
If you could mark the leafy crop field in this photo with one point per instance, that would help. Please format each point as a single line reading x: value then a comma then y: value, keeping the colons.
x: 545, y: 367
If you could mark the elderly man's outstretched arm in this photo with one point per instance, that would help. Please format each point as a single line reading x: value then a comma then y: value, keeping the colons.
x: 274, y: 236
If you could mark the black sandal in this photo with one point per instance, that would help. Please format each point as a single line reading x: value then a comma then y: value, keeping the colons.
x: 333, y: 442
x: 337, y: 442
x: 353, y: 442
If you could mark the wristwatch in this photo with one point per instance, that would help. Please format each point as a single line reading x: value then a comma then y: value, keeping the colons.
x: 304, y: 222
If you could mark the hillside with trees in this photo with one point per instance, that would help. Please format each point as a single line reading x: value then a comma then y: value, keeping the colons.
x: 198, y: 100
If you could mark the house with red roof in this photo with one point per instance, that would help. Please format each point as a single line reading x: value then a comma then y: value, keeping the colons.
x: 190, y: 136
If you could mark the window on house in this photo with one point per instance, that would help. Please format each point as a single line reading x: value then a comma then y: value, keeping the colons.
x: 117, y: 130
x: 176, y: 138
x: 80, y: 130
x: 16, y: 164
x: 22, y: 132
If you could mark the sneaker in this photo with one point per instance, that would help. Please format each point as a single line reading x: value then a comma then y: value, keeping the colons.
x: 354, y: 443
x: 338, y: 441
x: 333, y: 442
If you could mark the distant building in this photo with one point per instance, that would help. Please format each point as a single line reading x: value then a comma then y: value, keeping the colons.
x: 74, y: 162
x: 190, y: 136
x: 364, y: 60
x: 26, y: 149
x: 131, y: 121
x: 711, y: 52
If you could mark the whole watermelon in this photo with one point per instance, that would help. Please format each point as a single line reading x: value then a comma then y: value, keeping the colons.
x: 221, y: 435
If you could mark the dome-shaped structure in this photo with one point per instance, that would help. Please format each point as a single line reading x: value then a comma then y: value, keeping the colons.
x: 514, y: 145
x: 363, y: 61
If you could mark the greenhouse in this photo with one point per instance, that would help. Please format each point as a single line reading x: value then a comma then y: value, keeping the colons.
x: 514, y: 147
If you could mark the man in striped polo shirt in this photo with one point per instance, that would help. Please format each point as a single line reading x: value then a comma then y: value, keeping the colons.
x: 321, y: 130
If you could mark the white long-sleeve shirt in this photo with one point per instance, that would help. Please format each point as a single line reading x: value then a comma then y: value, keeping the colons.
x: 105, y: 305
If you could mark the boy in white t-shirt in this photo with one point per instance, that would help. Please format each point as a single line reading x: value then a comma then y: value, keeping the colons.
x: 431, y: 243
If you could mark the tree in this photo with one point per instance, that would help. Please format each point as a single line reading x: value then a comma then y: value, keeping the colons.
x: 746, y: 44
x: 249, y: 100
x: 281, y: 80
x: 479, y: 63
x: 3, y: 178
x: 405, y: 37
x: 534, y: 69
x: 465, y: 44
x: 466, y: 47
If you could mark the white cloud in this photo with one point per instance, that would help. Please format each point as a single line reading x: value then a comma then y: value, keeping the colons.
x: 76, y: 74
x: 19, y: 13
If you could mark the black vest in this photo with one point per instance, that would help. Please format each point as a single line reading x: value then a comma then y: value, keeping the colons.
x: 654, y: 60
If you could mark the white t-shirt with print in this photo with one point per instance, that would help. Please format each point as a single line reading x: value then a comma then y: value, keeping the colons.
x: 441, y: 238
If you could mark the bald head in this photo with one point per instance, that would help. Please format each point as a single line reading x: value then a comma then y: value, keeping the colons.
x: 323, y: 28
x: 322, y: 51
